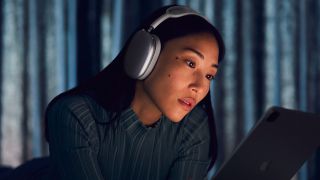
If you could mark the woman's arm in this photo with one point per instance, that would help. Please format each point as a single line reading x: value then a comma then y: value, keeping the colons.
x: 193, y: 157
x: 192, y: 164
x: 73, y: 140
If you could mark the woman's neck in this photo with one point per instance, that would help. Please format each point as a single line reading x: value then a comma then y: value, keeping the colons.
x: 146, y: 110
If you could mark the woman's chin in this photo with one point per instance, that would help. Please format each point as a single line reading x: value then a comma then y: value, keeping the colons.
x: 176, y: 118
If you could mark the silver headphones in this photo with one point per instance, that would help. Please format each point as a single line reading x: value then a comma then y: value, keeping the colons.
x: 144, y: 48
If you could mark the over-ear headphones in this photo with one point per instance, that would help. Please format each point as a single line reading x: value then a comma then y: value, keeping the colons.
x: 144, y: 47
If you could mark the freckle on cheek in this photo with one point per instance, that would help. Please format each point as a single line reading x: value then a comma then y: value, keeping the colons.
x: 169, y: 75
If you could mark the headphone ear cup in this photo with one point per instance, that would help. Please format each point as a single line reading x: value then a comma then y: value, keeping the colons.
x: 141, y: 54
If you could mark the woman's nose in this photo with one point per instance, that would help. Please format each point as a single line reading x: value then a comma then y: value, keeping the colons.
x: 194, y: 90
x: 198, y: 83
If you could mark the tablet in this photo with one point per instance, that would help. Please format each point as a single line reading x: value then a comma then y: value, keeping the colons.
x: 275, y: 148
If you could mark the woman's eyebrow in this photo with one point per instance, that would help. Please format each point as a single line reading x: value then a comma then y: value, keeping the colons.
x: 195, y: 51
x: 199, y: 54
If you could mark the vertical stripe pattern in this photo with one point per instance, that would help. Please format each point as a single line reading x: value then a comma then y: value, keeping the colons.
x: 12, y: 82
x: 87, y: 143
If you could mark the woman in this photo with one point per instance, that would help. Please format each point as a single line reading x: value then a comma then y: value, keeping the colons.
x: 131, y: 122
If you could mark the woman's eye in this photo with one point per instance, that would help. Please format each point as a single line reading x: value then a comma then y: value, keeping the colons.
x: 210, y: 77
x: 191, y: 63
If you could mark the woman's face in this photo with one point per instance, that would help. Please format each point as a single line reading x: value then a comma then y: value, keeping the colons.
x: 182, y: 75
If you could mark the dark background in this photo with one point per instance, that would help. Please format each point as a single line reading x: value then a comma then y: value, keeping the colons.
x: 49, y: 46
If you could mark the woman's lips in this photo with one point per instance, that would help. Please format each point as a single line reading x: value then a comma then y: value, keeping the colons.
x: 187, y: 103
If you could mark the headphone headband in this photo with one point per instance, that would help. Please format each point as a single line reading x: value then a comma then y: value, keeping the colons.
x: 174, y: 12
x: 144, y: 48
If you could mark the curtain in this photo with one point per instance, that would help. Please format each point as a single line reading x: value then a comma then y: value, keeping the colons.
x: 37, y: 62
x: 48, y: 46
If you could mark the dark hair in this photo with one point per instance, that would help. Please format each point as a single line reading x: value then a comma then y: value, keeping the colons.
x: 173, y: 28
x: 188, y: 25
x: 114, y: 90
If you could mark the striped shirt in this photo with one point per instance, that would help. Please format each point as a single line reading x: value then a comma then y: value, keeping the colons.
x: 88, y: 142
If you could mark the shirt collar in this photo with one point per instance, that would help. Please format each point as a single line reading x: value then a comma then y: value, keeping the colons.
x: 129, y: 120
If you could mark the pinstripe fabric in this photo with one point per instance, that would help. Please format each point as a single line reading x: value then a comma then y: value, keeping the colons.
x: 87, y: 142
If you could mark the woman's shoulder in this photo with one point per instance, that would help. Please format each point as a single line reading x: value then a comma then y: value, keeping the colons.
x: 196, y: 117
x: 196, y: 123
x: 195, y: 130
x: 67, y: 102
x: 80, y: 105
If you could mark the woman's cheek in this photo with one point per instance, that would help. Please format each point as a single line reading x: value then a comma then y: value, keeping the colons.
x: 206, y: 91
x: 170, y: 81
